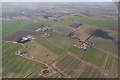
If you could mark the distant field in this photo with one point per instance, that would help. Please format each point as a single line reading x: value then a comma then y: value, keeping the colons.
x: 50, y: 21
x: 100, y: 22
x: 63, y: 30
x: 34, y: 26
x: 12, y: 25
x: 15, y: 66
x: 92, y: 55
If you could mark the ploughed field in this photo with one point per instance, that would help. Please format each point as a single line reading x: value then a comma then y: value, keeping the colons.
x: 16, y: 36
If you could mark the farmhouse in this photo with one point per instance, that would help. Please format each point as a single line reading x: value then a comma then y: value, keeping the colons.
x: 46, y: 35
x: 21, y: 53
x: 43, y: 29
x: 25, y: 39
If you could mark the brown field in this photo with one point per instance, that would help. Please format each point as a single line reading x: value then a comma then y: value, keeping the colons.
x: 115, y: 28
x: 83, y: 31
x: 75, y: 25
x: 41, y: 53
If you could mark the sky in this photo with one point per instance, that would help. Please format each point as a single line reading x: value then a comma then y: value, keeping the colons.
x: 56, y: 0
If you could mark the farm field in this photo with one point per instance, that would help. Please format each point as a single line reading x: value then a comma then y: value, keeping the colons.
x: 92, y: 55
x: 41, y: 53
x: 63, y: 30
x: 90, y: 72
x: 69, y: 18
x: 82, y: 69
x: 36, y: 25
x: 15, y: 66
x: 50, y: 46
x: 100, y: 22
x: 112, y: 65
x: 69, y: 65
x: 111, y: 46
x: 59, y: 40
x: 12, y: 25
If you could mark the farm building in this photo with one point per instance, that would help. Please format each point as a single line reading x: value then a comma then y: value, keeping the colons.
x: 43, y: 29
x: 46, y: 35
x: 21, y: 53
x: 25, y: 39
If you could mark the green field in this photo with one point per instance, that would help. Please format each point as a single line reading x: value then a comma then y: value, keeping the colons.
x: 61, y: 40
x: 50, y: 46
x: 90, y: 72
x: 63, y: 30
x: 104, y: 22
x: 15, y: 66
x: 92, y: 55
x: 112, y: 65
x: 50, y: 21
x: 33, y: 26
x: 109, y: 46
x: 12, y: 25
x: 67, y: 19
x: 69, y: 64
